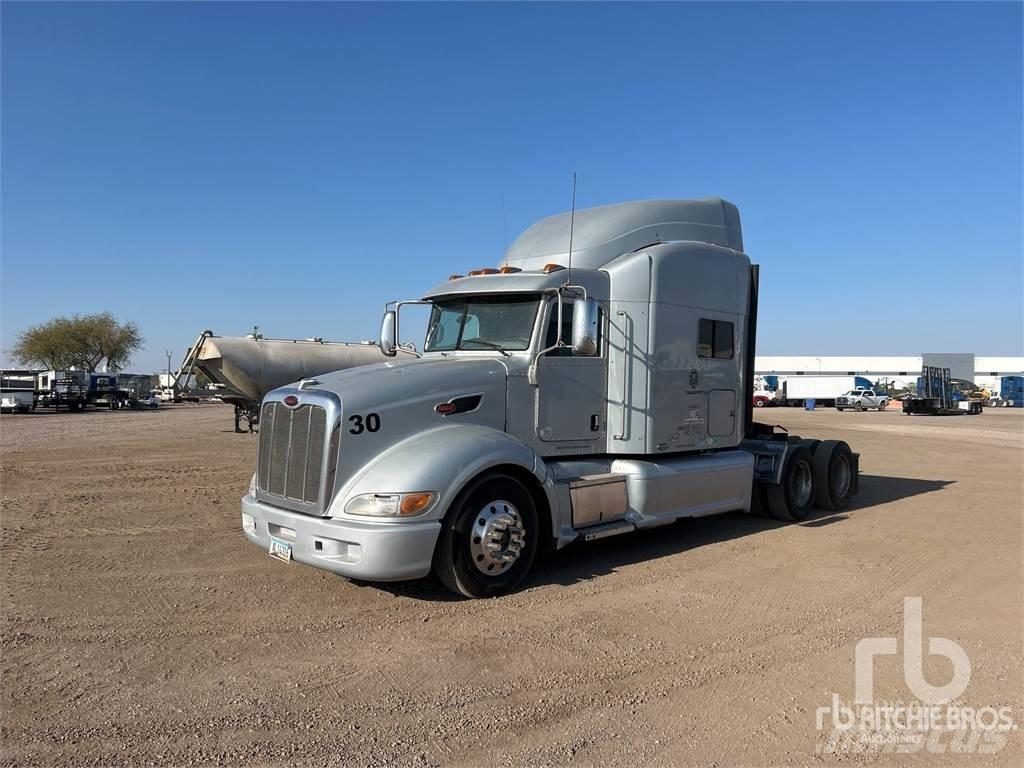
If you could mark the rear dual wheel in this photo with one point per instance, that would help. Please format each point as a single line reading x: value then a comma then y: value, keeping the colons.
x: 833, y: 475
x: 817, y: 473
x: 793, y: 497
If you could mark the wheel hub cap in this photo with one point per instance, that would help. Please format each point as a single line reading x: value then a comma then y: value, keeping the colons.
x: 497, y: 538
x: 841, y: 477
x: 803, y: 484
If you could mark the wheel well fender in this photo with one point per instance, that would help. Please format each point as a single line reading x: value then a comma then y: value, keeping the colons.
x: 446, y: 460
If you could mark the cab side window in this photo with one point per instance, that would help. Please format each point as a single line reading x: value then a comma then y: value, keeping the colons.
x: 715, y: 339
x: 552, y: 333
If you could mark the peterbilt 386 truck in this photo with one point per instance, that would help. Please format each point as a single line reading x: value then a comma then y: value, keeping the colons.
x: 599, y: 381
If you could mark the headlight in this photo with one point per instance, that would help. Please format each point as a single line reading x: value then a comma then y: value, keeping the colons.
x: 391, y: 504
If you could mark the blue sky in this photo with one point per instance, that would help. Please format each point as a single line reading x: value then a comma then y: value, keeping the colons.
x: 295, y: 166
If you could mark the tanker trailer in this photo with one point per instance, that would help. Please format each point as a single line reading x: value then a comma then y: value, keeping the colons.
x: 247, y: 367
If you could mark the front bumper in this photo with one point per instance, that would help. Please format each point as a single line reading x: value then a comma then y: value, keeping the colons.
x: 373, y: 551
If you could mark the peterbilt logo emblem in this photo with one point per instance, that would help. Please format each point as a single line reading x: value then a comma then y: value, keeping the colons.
x: 291, y: 401
x: 694, y: 378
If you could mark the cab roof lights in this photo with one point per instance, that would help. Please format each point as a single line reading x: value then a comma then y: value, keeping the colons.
x: 509, y: 270
x: 549, y: 268
x: 454, y: 277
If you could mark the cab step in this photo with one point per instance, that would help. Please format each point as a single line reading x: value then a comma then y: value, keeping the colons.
x: 607, y: 529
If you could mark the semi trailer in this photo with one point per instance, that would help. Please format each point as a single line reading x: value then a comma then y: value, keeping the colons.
x: 824, y: 390
x: 245, y: 368
x: 599, y: 381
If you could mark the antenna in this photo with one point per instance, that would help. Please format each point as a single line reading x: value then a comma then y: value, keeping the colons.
x: 572, y: 224
x: 504, y: 226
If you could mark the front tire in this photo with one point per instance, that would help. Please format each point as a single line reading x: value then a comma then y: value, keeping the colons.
x: 489, y: 538
x: 858, y: 406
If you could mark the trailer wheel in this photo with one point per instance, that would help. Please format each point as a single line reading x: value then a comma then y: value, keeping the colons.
x: 833, y: 475
x: 488, y: 539
x: 793, y: 497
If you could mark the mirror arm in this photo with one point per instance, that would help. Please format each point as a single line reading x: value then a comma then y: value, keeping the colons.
x: 411, y: 348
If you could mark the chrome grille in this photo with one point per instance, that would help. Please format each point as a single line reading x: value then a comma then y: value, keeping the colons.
x: 291, y: 451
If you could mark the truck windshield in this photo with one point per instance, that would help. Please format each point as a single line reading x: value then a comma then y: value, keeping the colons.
x: 482, y: 322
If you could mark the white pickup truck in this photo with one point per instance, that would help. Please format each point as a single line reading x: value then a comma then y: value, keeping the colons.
x: 859, y: 399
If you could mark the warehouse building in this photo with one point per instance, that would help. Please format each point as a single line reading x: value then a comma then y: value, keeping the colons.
x: 900, y: 371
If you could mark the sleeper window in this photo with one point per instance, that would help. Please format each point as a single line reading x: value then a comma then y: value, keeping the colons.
x: 715, y: 339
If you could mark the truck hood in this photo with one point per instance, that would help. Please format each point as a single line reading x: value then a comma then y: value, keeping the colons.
x: 410, y: 383
x: 385, y: 403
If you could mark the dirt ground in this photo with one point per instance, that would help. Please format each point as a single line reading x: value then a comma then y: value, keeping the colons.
x: 139, y: 627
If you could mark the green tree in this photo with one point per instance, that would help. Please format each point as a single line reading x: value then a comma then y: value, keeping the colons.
x: 82, y: 341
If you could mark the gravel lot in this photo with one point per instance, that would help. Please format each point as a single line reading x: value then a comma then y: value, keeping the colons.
x: 139, y: 627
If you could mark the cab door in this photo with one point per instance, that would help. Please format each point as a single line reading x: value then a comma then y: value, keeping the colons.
x: 571, y: 396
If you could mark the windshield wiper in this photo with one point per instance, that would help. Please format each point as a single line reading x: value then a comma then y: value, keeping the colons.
x: 490, y: 344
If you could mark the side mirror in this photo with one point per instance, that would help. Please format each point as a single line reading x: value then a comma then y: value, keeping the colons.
x: 584, y: 327
x: 388, y: 334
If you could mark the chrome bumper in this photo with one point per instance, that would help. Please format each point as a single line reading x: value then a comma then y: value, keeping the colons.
x: 372, y: 551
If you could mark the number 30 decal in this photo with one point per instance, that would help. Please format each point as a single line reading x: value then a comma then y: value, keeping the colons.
x: 371, y: 423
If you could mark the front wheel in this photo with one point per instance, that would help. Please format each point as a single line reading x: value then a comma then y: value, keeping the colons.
x: 489, y: 538
x: 858, y: 406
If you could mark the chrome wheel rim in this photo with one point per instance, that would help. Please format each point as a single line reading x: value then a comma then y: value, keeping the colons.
x: 497, y: 538
x: 802, y: 485
x: 841, y: 477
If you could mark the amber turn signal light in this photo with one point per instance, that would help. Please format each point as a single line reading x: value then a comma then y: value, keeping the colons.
x: 414, y: 503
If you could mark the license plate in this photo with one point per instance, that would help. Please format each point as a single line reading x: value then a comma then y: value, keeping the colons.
x: 280, y: 550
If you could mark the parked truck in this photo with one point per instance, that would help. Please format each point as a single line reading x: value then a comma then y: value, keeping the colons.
x: 861, y: 400
x: 797, y: 390
x: 75, y: 389
x: 598, y: 382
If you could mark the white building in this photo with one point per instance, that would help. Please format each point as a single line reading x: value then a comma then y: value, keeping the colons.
x: 902, y: 371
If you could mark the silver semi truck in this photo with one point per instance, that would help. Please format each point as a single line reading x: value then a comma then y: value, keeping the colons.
x: 598, y: 382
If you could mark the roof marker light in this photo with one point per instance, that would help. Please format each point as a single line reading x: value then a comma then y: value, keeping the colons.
x: 549, y: 268
x: 509, y: 270
x: 454, y: 277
